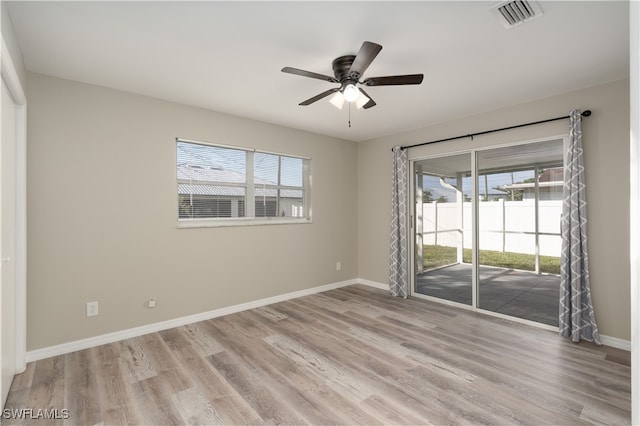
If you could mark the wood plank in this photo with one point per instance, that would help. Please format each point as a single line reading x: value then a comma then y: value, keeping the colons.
x: 229, y: 405
x: 258, y: 395
x: 82, y: 397
x: 162, y: 362
x: 114, y: 387
x: 135, y: 359
x: 201, y: 340
x: 48, y: 388
x: 196, y: 409
x: 155, y: 402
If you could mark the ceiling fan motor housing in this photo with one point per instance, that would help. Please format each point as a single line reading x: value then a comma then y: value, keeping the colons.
x: 341, y: 67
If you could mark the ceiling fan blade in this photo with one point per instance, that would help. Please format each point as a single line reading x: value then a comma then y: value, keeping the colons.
x: 394, y: 80
x: 371, y: 102
x: 318, y: 97
x: 367, y: 53
x: 304, y: 73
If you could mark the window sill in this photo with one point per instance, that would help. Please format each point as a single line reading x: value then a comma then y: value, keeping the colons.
x: 217, y: 223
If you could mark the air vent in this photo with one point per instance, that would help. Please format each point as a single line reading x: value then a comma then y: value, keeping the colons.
x: 516, y: 12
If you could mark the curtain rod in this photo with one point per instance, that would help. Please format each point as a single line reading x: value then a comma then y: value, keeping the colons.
x: 586, y: 113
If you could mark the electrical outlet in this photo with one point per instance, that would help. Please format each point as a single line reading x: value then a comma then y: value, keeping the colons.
x: 338, y: 266
x: 92, y: 309
x: 151, y: 303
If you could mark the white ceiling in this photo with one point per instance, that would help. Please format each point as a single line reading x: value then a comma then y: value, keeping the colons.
x: 227, y: 56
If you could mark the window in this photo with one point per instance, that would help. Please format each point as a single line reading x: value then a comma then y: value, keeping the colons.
x: 220, y: 185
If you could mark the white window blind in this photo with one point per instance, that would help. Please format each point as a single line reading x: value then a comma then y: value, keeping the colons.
x: 279, y: 187
x: 216, y: 183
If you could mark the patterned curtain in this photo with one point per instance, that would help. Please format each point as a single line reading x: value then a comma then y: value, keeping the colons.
x: 398, y: 284
x: 577, y: 318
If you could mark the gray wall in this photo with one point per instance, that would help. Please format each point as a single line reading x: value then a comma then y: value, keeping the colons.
x: 606, y: 151
x: 101, y: 219
x: 102, y: 214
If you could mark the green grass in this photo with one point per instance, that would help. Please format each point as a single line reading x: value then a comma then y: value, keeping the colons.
x: 436, y: 256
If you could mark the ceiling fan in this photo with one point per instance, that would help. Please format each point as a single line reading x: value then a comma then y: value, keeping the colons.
x: 348, y: 70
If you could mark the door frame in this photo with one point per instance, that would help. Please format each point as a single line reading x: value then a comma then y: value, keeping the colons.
x: 12, y: 81
x: 411, y: 206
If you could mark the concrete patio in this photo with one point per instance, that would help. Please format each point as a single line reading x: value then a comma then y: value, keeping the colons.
x: 510, y: 292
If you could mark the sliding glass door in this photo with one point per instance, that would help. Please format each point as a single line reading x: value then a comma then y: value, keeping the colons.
x: 512, y: 265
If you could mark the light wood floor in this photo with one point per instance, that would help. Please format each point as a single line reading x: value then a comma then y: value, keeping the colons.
x: 348, y: 356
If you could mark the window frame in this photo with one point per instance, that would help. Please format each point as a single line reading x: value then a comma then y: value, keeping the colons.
x: 250, y: 187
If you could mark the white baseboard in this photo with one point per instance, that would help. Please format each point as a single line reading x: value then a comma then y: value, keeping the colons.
x: 103, y: 339
x: 374, y: 284
x: 614, y: 342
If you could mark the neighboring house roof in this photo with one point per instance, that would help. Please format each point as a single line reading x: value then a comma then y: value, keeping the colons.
x: 195, y: 180
x: 208, y: 174
x: 199, y: 189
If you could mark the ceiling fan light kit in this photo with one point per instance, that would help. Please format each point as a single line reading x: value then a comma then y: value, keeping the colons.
x: 348, y: 70
x: 350, y: 92
x: 339, y: 99
x: 361, y: 100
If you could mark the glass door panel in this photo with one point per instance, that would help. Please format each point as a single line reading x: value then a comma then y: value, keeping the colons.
x: 519, y: 193
x: 443, y: 228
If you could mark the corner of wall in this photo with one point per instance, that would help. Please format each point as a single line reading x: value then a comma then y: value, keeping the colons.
x: 10, y: 41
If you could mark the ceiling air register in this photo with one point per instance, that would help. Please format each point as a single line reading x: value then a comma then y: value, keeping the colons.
x: 516, y: 12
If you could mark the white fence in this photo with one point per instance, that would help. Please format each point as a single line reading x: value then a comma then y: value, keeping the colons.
x: 504, y: 225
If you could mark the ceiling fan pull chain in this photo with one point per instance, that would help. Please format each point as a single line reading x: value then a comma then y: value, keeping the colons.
x: 349, y: 114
